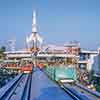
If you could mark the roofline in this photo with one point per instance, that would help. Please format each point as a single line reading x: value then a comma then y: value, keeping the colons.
x: 21, y: 51
x: 87, y: 51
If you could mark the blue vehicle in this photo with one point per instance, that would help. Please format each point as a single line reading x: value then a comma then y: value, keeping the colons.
x: 62, y: 73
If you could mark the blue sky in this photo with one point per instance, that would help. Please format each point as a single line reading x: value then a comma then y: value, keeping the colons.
x: 59, y: 21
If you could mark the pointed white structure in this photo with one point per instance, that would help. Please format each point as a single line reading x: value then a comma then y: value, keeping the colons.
x: 34, y: 24
x: 34, y: 37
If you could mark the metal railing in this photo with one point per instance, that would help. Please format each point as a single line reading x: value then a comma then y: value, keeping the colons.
x: 75, y: 90
x: 19, y: 87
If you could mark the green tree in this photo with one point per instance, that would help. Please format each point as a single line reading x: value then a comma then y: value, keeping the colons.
x: 2, y: 49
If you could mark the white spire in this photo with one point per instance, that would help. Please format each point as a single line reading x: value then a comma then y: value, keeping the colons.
x: 34, y: 24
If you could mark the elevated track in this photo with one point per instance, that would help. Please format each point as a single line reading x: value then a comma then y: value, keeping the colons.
x: 37, y: 86
x: 17, y: 89
x: 79, y: 92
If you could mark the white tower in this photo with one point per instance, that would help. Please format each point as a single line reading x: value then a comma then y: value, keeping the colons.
x: 34, y: 38
x: 34, y: 29
x: 34, y: 24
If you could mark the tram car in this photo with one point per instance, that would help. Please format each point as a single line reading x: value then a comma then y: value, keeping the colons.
x: 26, y: 65
x: 26, y: 68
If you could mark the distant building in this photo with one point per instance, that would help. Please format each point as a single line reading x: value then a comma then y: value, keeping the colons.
x: 96, y: 65
x: 86, y: 59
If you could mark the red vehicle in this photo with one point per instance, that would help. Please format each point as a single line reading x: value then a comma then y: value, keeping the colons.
x: 27, y: 68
